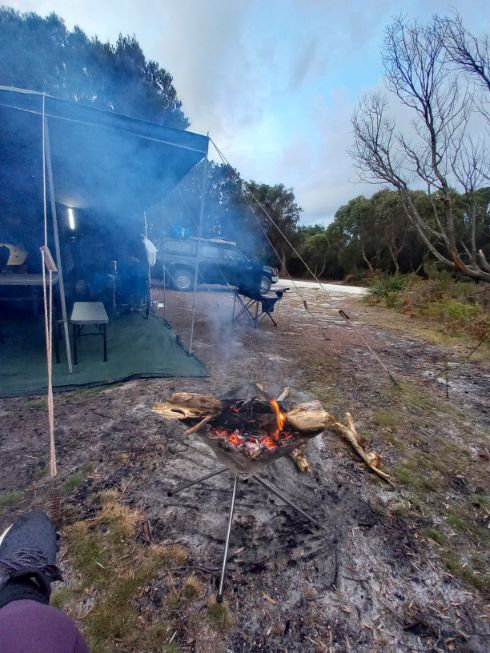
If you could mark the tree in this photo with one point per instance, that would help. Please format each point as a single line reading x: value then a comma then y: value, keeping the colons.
x: 393, y: 228
x: 441, y: 152
x: 469, y: 53
x: 278, y: 214
x: 314, y: 248
x: 40, y: 54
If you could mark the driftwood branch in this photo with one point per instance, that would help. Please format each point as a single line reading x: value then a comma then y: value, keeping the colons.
x: 188, y: 405
x: 349, y: 433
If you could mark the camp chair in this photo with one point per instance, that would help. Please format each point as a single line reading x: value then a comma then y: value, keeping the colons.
x: 132, y: 291
x: 252, y: 305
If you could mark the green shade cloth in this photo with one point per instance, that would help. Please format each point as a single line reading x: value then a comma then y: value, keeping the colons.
x: 136, y: 348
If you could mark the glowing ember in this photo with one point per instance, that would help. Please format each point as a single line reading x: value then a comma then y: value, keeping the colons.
x: 253, y: 428
x: 234, y: 439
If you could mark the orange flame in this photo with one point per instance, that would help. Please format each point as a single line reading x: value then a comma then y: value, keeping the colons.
x: 280, y: 419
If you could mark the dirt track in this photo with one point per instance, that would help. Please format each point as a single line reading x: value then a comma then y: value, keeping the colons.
x: 376, y: 578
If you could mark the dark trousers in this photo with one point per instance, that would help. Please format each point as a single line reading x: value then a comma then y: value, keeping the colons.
x: 28, y: 626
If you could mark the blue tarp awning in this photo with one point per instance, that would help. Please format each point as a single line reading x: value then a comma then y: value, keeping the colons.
x: 107, y: 162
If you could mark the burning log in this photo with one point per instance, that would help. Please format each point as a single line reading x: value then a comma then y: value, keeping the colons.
x: 298, y: 456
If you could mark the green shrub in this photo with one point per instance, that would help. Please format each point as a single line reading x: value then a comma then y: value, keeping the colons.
x: 442, y: 297
x: 455, y: 310
x: 386, y: 286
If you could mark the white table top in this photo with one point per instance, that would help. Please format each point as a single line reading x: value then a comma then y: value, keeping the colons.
x: 18, y: 279
x: 89, y: 313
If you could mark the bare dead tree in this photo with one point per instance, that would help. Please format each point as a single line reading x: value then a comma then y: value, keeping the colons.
x: 465, y: 50
x: 435, y: 151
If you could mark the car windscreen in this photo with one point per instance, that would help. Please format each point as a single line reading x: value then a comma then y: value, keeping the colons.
x: 234, y: 255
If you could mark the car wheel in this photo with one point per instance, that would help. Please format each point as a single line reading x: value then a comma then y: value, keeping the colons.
x: 182, y: 279
x: 265, y: 284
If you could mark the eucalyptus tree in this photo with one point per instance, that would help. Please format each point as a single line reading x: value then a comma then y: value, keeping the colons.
x: 41, y: 54
x: 277, y: 215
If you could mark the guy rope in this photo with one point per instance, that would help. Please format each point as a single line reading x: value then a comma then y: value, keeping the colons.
x: 49, y: 265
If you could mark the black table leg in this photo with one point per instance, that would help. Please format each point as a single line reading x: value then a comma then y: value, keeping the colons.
x: 56, y: 335
x: 75, y: 350
x: 104, y: 335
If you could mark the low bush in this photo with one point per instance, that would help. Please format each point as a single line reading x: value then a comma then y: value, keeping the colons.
x: 459, y: 306
x: 385, y: 287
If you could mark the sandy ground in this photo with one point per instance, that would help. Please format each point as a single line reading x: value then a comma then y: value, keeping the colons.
x: 331, y: 288
x: 373, y: 578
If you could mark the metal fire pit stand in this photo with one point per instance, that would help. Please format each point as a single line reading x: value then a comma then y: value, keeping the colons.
x: 261, y: 481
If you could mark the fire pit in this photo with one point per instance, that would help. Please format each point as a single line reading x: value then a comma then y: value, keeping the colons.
x: 246, y: 435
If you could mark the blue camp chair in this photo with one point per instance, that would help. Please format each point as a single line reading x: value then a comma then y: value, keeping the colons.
x: 251, y: 304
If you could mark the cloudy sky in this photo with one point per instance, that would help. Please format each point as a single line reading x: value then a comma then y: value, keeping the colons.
x: 274, y: 82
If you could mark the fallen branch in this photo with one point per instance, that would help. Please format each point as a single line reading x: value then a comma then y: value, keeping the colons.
x: 371, y: 459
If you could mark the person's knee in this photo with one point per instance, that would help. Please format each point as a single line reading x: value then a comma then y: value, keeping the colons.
x: 28, y: 626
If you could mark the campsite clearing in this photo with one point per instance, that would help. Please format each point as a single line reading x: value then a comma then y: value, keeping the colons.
x: 393, y: 570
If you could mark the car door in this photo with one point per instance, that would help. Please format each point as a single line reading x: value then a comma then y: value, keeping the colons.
x: 235, y: 264
x: 209, y: 265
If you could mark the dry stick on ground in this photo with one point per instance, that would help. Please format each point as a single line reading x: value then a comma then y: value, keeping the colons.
x: 284, y: 394
x: 349, y: 433
x: 298, y: 456
x: 200, y: 424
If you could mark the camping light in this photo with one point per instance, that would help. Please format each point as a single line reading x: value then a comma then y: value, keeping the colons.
x: 71, y: 218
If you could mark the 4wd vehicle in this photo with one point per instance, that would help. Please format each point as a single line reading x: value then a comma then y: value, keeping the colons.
x: 221, y: 262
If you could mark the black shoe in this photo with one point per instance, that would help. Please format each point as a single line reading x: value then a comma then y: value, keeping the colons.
x: 28, y: 559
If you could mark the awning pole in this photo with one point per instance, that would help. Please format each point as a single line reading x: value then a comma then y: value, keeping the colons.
x: 164, y: 287
x: 198, y: 253
x: 57, y: 247
x: 148, y: 298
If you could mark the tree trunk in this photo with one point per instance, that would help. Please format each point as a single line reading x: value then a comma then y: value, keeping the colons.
x: 368, y: 262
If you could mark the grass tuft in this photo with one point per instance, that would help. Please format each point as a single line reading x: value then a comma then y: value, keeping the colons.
x: 192, y: 587
x: 434, y: 535
x: 72, y: 483
x: 388, y: 418
x: 10, y: 499
x: 219, y: 614
x: 114, y: 571
x: 36, y: 404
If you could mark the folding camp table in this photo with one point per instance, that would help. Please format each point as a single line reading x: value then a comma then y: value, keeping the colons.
x: 32, y: 283
x: 86, y: 314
